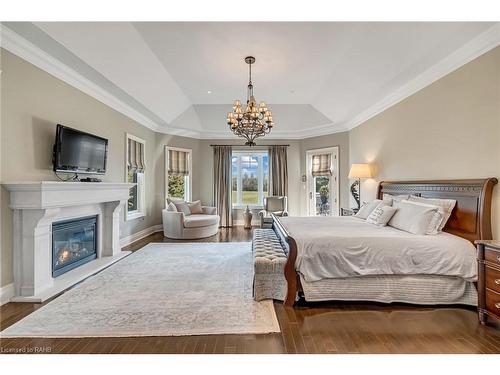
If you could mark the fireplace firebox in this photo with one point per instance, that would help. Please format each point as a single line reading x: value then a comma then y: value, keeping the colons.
x: 74, y: 243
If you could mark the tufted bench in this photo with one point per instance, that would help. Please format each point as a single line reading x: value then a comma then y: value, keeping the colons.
x: 269, y: 263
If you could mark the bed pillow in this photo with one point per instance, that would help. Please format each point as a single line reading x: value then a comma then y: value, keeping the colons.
x: 195, y: 207
x: 446, y: 204
x: 390, y: 199
x: 367, y: 209
x: 436, y: 219
x: 381, y: 215
x: 413, y: 218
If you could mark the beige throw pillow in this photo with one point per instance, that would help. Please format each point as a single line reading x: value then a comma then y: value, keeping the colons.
x: 381, y: 215
x: 195, y: 207
x: 367, y: 209
x: 171, y: 207
x: 182, y: 207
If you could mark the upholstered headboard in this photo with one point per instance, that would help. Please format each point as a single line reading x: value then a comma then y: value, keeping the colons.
x: 471, y: 217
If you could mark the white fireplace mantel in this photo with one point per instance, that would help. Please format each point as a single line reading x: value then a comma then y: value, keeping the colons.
x: 36, y: 206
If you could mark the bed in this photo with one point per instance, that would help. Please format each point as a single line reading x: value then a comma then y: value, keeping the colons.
x: 345, y: 258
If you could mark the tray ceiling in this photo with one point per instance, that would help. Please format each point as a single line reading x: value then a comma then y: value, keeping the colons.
x: 318, y: 78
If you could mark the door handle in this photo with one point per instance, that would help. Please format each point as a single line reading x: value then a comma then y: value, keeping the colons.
x: 310, y: 195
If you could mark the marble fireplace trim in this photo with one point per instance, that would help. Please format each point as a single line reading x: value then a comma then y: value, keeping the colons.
x: 36, y: 206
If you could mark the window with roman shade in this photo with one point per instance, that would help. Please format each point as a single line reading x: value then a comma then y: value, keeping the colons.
x: 321, y: 165
x: 135, y: 173
x: 136, y: 159
x: 178, y: 162
x: 178, y: 173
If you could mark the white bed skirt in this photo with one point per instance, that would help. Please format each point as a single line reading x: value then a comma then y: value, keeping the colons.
x: 417, y: 289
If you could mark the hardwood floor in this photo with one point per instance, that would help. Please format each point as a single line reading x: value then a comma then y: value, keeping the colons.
x: 315, y: 328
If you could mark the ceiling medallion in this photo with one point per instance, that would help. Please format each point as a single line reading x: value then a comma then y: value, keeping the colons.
x: 255, y: 121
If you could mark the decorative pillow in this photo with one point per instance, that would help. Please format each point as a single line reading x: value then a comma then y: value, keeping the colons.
x: 182, y: 207
x: 195, y: 207
x: 171, y: 207
x: 413, y: 218
x: 381, y: 215
x: 390, y: 199
x: 367, y: 209
x: 447, y: 206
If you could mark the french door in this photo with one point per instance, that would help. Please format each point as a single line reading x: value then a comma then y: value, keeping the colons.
x: 322, y: 181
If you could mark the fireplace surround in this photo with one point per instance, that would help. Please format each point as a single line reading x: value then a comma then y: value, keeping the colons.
x: 37, y: 206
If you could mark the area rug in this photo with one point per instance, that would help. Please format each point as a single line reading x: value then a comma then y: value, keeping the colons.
x: 160, y: 290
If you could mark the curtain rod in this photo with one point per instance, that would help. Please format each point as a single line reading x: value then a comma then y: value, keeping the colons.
x: 251, y: 146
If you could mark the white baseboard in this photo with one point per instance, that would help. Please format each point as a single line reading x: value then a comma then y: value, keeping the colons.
x: 6, y: 293
x: 125, y: 241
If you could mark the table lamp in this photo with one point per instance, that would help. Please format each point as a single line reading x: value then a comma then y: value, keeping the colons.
x: 357, y: 172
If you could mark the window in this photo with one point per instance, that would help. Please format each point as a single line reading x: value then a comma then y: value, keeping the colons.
x: 135, y: 173
x: 250, y: 178
x: 178, y: 173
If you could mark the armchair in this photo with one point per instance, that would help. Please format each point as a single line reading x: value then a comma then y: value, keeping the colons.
x: 178, y: 225
x: 277, y: 205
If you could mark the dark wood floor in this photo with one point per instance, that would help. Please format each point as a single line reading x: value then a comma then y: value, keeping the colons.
x: 315, y: 328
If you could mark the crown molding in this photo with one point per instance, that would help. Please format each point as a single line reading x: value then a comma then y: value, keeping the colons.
x: 481, y: 44
x: 19, y: 46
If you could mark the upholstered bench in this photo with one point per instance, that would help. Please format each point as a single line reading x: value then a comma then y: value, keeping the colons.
x: 269, y: 263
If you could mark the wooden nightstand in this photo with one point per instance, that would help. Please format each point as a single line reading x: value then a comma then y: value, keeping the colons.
x: 348, y: 211
x: 489, y: 280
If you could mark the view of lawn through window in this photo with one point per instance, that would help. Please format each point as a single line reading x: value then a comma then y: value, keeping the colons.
x: 250, y: 178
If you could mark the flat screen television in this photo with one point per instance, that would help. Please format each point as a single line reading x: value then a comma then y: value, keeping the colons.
x: 79, y: 152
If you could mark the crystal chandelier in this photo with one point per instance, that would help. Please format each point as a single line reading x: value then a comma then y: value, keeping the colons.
x: 253, y: 122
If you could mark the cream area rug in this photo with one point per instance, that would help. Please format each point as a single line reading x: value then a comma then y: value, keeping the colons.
x: 161, y: 290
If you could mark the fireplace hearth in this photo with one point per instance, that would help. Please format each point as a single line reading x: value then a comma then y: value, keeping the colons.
x: 74, y: 243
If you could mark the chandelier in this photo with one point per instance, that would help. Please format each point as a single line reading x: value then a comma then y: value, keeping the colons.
x: 254, y: 121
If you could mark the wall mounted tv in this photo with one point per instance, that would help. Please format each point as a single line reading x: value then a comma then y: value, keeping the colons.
x: 79, y: 152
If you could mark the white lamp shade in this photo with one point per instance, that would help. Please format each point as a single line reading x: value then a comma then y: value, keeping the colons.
x: 360, y: 171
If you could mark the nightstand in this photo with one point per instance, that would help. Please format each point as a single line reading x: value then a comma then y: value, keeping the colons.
x: 489, y: 280
x: 348, y: 211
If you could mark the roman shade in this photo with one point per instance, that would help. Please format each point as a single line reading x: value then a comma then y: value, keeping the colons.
x: 178, y: 163
x: 322, y: 165
x: 135, y: 158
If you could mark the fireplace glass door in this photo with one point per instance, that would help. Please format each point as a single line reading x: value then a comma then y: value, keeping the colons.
x: 74, y: 242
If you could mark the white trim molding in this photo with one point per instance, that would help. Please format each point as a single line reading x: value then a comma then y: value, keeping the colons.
x: 6, y: 293
x: 125, y: 241
x: 26, y: 50
x: 21, y: 47
x: 465, y: 54
x: 189, y: 195
x: 141, y: 181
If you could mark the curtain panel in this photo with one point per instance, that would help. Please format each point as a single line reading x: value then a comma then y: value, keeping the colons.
x: 135, y: 158
x: 322, y: 165
x: 278, y: 171
x: 178, y: 163
x: 222, y: 184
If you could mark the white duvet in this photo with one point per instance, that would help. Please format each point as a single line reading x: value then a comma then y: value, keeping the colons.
x: 337, y: 247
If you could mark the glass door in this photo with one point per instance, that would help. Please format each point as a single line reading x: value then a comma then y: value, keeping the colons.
x: 322, y: 182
